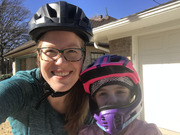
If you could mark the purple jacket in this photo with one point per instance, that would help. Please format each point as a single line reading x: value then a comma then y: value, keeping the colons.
x: 137, y: 127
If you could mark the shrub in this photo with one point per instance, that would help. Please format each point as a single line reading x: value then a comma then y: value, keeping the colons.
x: 5, y: 76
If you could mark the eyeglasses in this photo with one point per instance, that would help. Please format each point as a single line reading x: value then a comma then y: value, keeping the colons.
x: 53, y: 54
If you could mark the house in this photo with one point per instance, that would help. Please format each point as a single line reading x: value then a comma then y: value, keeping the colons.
x: 151, y: 39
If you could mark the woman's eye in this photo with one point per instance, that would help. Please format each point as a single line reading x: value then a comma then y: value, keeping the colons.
x: 50, y: 51
x: 71, y: 51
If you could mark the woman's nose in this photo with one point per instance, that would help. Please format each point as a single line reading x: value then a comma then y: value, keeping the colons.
x: 60, y: 60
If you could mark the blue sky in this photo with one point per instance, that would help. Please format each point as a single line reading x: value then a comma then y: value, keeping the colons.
x: 116, y: 8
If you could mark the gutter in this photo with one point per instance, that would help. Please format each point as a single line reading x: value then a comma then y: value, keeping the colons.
x: 100, y: 48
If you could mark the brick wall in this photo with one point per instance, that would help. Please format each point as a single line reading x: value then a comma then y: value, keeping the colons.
x: 122, y: 46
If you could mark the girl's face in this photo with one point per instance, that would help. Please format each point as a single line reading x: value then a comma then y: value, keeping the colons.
x: 61, y: 75
x: 112, y: 94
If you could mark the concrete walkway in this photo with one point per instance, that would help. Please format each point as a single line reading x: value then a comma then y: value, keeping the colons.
x: 168, y: 132
x: 6, y: 130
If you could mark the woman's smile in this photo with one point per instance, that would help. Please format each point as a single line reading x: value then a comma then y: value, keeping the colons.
x: 61, y: 74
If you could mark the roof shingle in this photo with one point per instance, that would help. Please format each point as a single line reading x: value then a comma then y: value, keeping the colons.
x: 100, y: 20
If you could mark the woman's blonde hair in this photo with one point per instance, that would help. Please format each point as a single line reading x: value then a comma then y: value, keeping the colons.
x: 77, y: 103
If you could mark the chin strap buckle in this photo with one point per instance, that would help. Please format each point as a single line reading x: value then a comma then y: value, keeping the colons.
x: 49, y: 91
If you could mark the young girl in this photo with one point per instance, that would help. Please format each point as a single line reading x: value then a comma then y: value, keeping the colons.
x: 50, y: 100
x: 115, y: 98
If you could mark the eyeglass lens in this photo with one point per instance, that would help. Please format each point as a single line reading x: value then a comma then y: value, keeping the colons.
x: 53, y: 54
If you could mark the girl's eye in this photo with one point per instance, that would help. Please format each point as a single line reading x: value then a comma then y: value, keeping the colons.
x: 120, y: 92
x: 102, y: 94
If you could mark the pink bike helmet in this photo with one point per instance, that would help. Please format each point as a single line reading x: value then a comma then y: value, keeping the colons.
x: 113, y: 69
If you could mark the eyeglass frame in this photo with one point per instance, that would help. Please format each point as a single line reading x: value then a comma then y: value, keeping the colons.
x: 61, y: 52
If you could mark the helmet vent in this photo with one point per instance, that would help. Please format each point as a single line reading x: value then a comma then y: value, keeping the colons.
x: 106, y: 127
x: 118, y: 121
x: 71, y: 14
x: 51, y: 11
x: 115, y: 59
x: 104, y: 122
x: 36, y: 16
x: 103, y: 118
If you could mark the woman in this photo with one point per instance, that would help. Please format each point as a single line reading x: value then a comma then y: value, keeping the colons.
x: 50, y: 100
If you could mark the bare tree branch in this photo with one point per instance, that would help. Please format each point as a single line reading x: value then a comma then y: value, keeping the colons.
x: 13, y: 26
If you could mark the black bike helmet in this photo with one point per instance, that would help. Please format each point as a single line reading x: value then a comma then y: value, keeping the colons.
x: 60, y: 16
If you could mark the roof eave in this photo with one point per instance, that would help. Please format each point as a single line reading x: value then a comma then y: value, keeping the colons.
x: 153, y: 16
x: 26, y: 46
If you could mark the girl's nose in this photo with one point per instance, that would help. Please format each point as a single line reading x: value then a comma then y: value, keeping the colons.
x: 112, y: 99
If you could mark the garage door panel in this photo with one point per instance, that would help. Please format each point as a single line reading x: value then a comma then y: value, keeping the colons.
x: 173, y: 37
x: 162, y: 95
x: 151, y: 43
x: 159, y: 66
x: 160, y: 58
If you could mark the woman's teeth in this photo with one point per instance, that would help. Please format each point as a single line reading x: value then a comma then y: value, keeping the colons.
x: 62, y: 73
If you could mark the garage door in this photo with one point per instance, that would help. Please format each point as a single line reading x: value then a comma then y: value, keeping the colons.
x: 159, y: 63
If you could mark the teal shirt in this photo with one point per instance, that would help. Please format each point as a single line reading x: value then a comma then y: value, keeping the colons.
x: 18, y: 98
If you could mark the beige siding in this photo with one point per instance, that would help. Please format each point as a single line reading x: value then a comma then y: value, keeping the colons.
x: 31, y: 63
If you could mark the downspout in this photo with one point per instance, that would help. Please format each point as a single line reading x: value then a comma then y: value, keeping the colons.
x: 100, y: 48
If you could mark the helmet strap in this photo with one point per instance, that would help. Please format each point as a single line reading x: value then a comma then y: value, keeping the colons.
x: 48, y: 91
